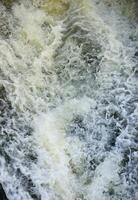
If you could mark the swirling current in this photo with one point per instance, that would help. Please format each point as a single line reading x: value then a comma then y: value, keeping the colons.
x: 69, y: 99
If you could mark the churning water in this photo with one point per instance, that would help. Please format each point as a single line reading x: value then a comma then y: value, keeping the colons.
x: 68, y: 100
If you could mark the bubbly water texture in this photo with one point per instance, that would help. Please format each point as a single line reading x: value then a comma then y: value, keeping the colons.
x: 68, y: 101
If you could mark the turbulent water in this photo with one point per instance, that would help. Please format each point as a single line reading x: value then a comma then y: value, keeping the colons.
x: 69, y: 100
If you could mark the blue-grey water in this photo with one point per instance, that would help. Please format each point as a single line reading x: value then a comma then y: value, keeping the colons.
x: 69, y: 99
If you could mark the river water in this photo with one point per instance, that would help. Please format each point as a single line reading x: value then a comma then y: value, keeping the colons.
x: 68, y: 100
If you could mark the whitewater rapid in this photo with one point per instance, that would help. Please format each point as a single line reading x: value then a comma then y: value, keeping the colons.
x: 68, y: 100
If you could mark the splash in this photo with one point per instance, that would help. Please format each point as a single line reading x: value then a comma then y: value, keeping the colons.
x: 68, y: 100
